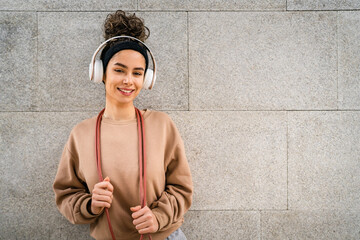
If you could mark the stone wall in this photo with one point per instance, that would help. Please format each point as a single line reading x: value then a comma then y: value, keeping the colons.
x: 266, y: 95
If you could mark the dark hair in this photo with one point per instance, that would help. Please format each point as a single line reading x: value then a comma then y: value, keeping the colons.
x: 122, y: 23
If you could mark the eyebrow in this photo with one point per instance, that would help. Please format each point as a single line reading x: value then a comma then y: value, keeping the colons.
x: 124, y: 66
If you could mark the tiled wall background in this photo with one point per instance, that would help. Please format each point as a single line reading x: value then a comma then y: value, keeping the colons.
x: 266, y: 95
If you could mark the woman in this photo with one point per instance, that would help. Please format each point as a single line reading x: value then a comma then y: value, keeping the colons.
x: 167, y: 190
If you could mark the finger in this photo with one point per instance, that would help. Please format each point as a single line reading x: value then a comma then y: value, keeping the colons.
x: 100, y: 204
x: 146, y: 230
x: 138, y: 213
x: 100, y: 191
x: 142, y: 212
x: 136, y: 208
x: 110, y: 186
x: 142, y: 225
x: 105, y: 185
x: 102, y: 198
x: 147, y: 218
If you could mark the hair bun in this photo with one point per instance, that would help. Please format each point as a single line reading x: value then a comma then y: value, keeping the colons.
x: 122, y: 23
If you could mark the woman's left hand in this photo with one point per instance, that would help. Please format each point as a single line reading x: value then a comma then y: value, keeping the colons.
x: 144, y: 220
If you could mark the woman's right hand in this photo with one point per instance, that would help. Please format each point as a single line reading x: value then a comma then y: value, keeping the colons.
x: 102, y: 196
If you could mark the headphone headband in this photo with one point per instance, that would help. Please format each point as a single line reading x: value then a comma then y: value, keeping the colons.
x: 102, y: 45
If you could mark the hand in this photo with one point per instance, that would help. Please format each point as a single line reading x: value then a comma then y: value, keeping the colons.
x: 102, y: 196
x: 144, y: 220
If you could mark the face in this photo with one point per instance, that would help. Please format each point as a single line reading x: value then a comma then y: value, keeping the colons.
x: 124, y: 77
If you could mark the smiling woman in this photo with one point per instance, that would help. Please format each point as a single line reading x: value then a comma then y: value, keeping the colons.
x: 147, y: 190
x: 123, y: 81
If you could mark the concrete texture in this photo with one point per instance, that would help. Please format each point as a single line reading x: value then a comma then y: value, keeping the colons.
x: 64, y: 54
x: 212, y: 5
x: 323, y: 4
x: 31, y: 147
x: 322, y: 225
x: 266, y: 61
x: 349, y: 60
x: 238, y: 158
x: 168, y: 42
x: 81, y: 36
x: 324, y: 162
x: 222, y: 225
x: 18, y: 61
x: 67, y: 5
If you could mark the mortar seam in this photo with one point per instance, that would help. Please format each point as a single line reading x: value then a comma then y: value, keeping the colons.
x: 189, y: 10
x: 337, y: 61
x: 188, y: 57
x: 36, y: 100
x: 287, y: 160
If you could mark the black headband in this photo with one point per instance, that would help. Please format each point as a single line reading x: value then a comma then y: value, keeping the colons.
x: 109, y: 53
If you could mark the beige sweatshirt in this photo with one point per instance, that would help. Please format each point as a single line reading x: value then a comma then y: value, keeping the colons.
x: 169, y: 184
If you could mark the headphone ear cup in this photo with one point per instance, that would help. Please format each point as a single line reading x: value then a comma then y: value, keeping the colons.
x: 98, y: 71
x: 149, y: 81
x: 91, y: 70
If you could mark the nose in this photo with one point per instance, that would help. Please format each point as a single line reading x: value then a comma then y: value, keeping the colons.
x: 127, y: 79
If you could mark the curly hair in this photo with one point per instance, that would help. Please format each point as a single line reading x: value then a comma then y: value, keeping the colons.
x: 122, y: 23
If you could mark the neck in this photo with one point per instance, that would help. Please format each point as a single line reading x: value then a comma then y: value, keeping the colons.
x: 122, y: 113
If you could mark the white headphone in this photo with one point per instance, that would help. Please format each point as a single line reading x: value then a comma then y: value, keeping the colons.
x: 96, y: 69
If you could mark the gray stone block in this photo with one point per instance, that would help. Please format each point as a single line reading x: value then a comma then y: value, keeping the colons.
x: 18, y: 61
x: 266, y: 61
x: 237, y: 159
x: 65, y: 51
x: 324, y: 163
x: 212, y: 5
x: 168, y: 42
x: 349, y: 60
x: 322, y: 225
x: 65, y: 230
x: 31, y: 145
x: 63, y: 5
x: 222, y: 225
x: 323, y: 5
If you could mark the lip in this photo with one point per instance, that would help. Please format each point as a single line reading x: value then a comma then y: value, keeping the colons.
x: 126, y: 91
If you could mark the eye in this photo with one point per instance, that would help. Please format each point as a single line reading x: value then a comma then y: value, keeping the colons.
x: 138, y: 73
x: 118, y: 70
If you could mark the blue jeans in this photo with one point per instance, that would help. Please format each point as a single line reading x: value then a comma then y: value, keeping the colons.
x: 177, y: 235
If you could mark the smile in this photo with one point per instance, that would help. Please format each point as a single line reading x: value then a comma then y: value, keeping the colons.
x: 126, y: 91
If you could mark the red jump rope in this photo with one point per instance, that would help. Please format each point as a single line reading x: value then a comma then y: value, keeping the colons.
x: 142, y: 162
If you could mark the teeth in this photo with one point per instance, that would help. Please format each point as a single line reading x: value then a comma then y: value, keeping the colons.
x: 125, y: 91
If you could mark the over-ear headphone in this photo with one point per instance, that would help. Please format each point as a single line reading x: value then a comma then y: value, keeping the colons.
x: 96, y: 69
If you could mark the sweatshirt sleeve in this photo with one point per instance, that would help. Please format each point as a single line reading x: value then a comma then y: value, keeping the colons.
x: 71, y: 193
x: 177, y: 197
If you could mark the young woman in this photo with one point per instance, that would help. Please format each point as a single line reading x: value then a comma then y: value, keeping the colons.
x: 138, y: 198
